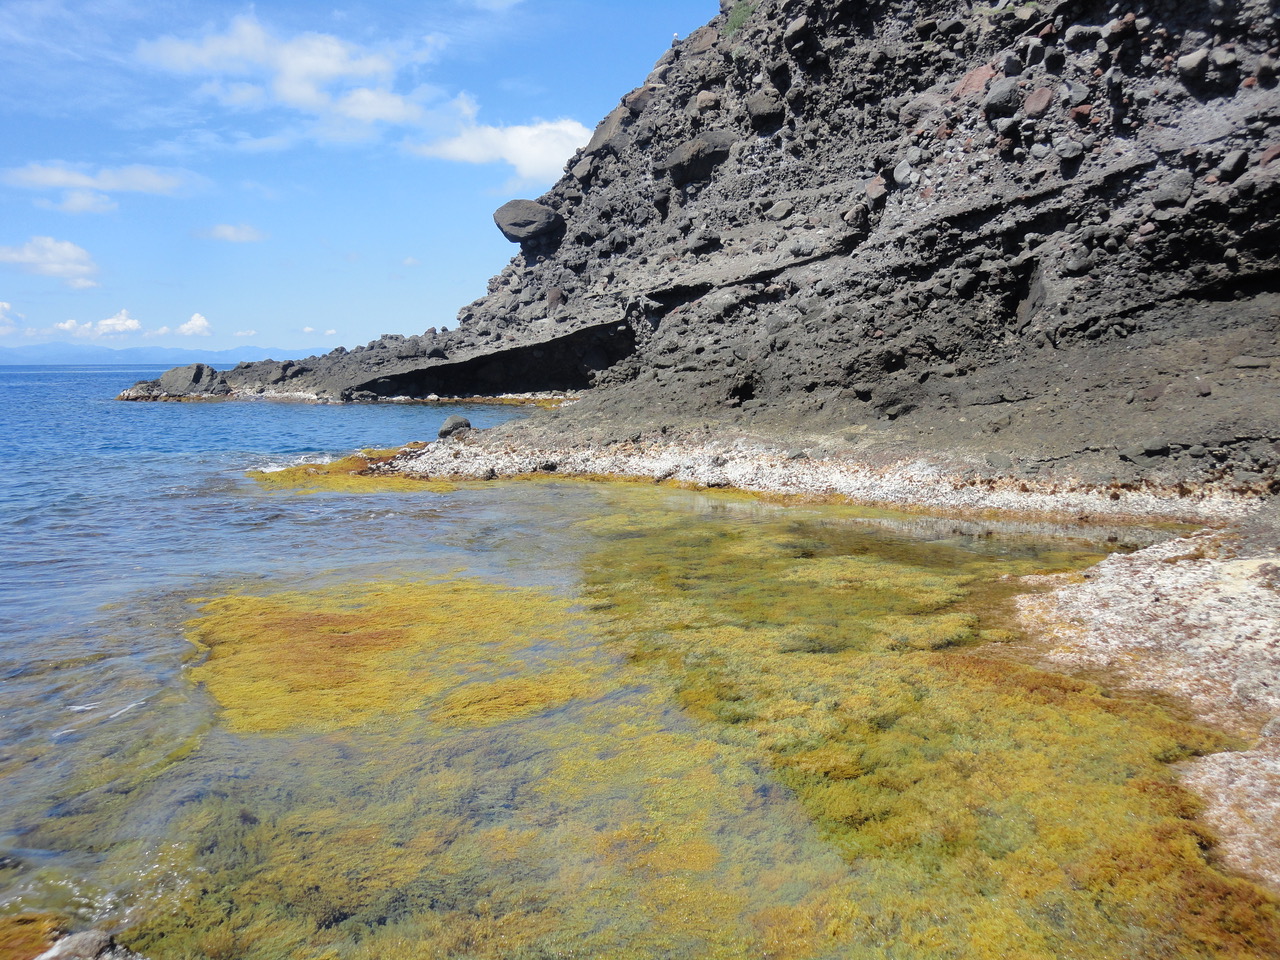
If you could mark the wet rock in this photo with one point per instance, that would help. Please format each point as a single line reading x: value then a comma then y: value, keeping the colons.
x: 453, y: 424
x: 89, y: 945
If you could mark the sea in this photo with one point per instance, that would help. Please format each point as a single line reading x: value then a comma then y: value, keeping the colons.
x: 509, y: 719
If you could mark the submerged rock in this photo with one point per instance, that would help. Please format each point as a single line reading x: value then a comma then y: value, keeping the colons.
x: 89, y: 945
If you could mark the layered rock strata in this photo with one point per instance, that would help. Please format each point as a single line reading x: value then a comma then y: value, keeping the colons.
x: 1047, y: 232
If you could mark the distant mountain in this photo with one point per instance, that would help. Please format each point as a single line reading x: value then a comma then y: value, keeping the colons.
x: 40, y: 353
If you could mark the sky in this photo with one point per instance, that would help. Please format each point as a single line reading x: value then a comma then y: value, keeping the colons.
x: 287, y: 174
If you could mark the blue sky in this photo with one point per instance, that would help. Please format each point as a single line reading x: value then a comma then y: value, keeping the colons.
x: 287, y: 174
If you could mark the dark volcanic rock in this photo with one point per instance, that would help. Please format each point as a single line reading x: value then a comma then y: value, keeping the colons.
x: 697, y: 159
x: 910, y: 223
x: 521, y: 220
x: 453, y: 424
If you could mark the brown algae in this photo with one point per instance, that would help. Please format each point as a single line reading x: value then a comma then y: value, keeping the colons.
x: 768, y: 732
x: 352, y: 656
x: 25, y: 935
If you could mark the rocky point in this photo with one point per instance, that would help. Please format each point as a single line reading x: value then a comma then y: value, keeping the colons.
x: 1034, y: 235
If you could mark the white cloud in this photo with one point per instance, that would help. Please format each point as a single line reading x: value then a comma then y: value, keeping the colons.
x: 245, y: 333
x: 331, y: 333
x: 197, y: 326
x: 370, y: 106
x: 316, y: 73
x: 81, y: 201
x: 113, y: 326
x: 7, y: 320
x: 242, y: 233
x: 134, y: 179
x: 48, y: 257
x: 537, y: 151
x: 158, y: 332
x: 495, y: 6
x: 410, y: 261
x: 85, y: 189
x: 119, y: 323
x: 308, y: 329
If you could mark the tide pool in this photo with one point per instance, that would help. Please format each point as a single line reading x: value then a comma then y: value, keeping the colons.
x: 547, y: 719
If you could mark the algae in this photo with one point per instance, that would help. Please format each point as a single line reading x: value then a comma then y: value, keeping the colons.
x: 355, y: 473
x: 24, y: 935
x: 354, y: 655
x: 755, y: 731
x: 985, y: 808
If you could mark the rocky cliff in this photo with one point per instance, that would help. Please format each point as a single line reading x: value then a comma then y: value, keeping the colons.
x: 1046, y: 231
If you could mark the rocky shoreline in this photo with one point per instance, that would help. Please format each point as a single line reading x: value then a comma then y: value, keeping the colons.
x: 1193, y: 620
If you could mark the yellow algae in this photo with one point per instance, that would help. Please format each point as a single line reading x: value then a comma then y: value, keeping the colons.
x: 349, y: 656
x: 497, y: 701
x: 350, y: 474
x: 25, y: 935
x: 480, y: 820
x: 986, y: 809
x: 762, y: 733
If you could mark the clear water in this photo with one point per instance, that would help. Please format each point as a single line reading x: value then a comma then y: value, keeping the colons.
x: 112, y: 513
x: 573, y: 796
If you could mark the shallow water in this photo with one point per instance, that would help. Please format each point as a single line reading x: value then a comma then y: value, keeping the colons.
x: 545, y: 719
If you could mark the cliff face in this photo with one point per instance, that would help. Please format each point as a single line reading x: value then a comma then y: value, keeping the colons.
x: 1025, y: 226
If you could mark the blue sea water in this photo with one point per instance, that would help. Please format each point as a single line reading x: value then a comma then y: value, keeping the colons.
x: 111, y: 510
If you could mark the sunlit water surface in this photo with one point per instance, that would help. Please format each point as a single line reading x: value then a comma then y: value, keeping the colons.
x: 533, y: 719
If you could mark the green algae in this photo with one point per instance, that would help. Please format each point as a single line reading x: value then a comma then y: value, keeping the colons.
x: 758, y: 732
x: 985, y: 808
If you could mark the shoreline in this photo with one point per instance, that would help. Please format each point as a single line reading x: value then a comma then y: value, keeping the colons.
x: 1193, y: 618
x: 948, y: 485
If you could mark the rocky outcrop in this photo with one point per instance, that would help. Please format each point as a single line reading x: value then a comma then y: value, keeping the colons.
x: 1046, y: 231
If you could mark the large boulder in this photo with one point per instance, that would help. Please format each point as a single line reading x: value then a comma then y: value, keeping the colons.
x: 522, y: 220
x: 697, y: 159
x: 765, y: 110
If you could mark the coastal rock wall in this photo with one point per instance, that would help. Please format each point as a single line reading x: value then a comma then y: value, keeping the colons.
x: 1020, y: 228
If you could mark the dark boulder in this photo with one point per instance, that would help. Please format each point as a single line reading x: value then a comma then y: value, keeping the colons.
x: 697, y: 159
x: 765, y: 110
x: 453, y: 424
x: 1003, y: 98
x: 522, y: 220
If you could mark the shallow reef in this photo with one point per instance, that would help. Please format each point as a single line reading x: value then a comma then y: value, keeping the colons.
x: 747, y: 731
